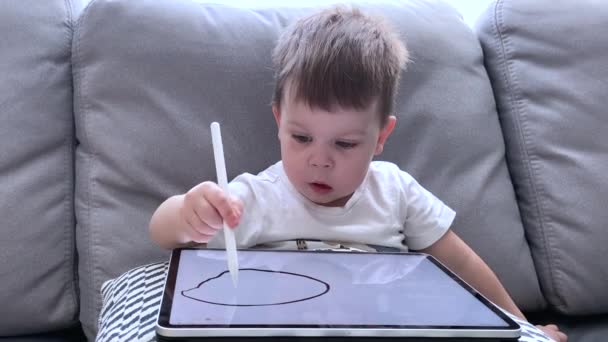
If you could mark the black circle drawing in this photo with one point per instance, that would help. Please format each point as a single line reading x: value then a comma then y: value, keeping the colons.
x: 324, y: 289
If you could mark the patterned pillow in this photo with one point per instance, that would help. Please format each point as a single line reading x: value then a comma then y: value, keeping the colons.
x: 131, y: 302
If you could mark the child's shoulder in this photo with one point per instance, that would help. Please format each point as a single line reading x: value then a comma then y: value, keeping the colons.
x: 270, y: 175
x: 385, y: 168
x: 382, y: 166
x: 260, y: 186
x: 387, y: 171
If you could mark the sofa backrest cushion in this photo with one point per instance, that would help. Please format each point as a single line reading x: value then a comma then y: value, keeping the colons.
x: 38, y: 287
x: 149, y: 84
x: 547, y: 61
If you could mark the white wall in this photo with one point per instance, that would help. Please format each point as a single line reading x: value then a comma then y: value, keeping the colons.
x: 470, y: 9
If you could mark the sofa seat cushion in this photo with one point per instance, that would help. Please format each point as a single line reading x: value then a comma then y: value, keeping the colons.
x: 73, y: 334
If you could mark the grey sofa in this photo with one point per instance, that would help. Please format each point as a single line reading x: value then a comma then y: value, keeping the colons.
x: 105, y: 112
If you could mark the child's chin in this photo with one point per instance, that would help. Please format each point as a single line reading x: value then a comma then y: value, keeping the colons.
x: 331, y: 202
x: 319, y: 200
x: 324, y: 200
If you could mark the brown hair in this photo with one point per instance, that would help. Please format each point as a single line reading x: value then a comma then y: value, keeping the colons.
x: 339, y: 56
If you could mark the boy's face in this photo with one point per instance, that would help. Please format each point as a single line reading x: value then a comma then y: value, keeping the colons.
x: 326, y: 155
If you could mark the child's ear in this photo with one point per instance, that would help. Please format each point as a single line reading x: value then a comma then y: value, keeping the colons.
x: 385, y: 131
x: 276, y: 111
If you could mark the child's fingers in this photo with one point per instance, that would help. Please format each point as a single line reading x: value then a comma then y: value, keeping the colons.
x: 199, y: 237
x: 208, y: 215
x: 237, y: 205
x: 558, y: 336
x: 196, y: 203
x: 195, y: 221
x: 197, y: 230
x: 192, y: 209
x: 553, y: 331
x: 223, y: 205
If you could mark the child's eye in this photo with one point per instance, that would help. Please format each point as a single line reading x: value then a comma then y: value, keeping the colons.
x: 302, y: 139
x: 345, y: 144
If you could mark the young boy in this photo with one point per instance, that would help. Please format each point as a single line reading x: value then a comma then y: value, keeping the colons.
x: 337, y: 74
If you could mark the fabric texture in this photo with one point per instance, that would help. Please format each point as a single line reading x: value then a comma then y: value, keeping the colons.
x: 38, y: 288
x: 388, y: 209
x: 148, y: 86
x: 132, y: 300
x: 550, y: 84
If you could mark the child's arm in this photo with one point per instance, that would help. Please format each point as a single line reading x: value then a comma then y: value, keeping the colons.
x: 195, y: 216
x: 460, y: 258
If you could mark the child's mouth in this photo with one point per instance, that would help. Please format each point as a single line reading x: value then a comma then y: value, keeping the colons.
x: 320, y: 188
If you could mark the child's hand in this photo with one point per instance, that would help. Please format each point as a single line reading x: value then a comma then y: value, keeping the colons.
x: 204, y: 209
x: 553, y: 331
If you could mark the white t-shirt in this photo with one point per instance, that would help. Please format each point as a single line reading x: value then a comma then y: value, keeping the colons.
x: 389, y: 211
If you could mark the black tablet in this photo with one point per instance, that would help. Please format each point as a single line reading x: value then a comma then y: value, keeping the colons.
x: 322, y: 294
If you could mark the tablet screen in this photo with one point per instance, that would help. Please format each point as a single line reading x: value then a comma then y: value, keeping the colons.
x: 321, y: 289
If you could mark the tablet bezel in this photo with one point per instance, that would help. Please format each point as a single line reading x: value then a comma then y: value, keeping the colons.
x: 166, y: 329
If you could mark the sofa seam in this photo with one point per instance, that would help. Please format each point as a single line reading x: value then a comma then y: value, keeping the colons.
x: 70, y: 247
x: 527, y: 149
x: 87, y: 233
x: 509, y: 77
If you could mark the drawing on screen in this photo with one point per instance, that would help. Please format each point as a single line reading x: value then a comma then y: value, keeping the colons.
x: 257, y: 287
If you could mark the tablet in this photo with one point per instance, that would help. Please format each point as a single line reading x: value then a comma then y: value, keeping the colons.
x: 307, y: 295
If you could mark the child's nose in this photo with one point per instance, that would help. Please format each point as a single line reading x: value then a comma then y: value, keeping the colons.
x: 321, y: 164
x: 320, y: 159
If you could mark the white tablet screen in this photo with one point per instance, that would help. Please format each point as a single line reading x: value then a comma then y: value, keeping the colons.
x: 277, y: 288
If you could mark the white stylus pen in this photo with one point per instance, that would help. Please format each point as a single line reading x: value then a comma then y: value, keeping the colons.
x: 220, y: 168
